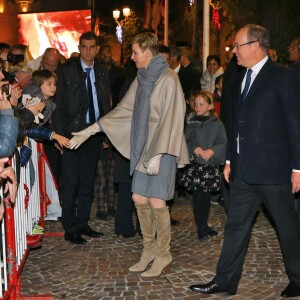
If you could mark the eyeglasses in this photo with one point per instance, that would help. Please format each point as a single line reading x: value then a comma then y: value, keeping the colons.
x: 237, y: 46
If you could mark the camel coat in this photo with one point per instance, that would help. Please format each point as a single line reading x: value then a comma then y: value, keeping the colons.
x: 166, y: 121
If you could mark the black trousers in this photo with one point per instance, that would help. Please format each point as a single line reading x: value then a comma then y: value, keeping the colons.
x: 201, y: 208
x: 78, y: 176
x: 54, y: 158
x: 244, y: 202
x: 123, y: 219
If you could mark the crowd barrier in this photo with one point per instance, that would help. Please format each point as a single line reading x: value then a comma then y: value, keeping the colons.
x: 22, y: 226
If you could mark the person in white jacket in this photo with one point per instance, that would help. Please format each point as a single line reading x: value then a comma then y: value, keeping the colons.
x: 214, y: 69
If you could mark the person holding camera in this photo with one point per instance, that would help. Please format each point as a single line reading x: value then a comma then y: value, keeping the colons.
x: 8, y: 125
x: 8, y: 139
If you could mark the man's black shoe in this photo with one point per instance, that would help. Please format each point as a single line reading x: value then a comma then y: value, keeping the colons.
x: 292, y: 290
x: 174, y: 222
x: 88, y: 231
x: 210, y: 231
x: 75, y: 238
x: 208, y: 288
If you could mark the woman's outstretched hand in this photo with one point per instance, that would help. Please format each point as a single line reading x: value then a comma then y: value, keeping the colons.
x: 81, y: 136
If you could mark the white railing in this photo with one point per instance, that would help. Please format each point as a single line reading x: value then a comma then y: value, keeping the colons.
x: 17, y: 234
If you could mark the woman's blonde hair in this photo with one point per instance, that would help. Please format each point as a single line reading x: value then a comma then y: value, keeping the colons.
x: 147, y: 40
x: 210, y: 99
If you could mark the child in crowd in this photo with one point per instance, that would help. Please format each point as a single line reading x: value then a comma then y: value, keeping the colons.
x: 218, y: 93
x: 206, y: 140
x: 190, y: 103
x: 43, y: 87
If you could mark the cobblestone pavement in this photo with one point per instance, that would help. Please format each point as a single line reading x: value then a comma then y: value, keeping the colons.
x: 99, y: 270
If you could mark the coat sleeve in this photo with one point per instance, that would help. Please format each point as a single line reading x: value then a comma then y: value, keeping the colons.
x: 8, y: 134
x: 220, y: 145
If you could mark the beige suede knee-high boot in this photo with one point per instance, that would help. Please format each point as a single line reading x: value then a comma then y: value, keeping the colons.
x: 148, y: 229
x: 163, y: 258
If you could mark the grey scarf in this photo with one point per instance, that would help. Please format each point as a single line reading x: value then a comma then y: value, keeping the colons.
x: 141, y: 110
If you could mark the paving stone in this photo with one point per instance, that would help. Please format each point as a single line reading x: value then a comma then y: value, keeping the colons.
x: 99, y: 270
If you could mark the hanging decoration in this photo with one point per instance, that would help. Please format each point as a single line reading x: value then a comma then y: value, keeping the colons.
x: 191, y: 2
x: 216, y: 15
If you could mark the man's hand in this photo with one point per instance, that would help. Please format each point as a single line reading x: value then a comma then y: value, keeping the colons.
x: 295, y: 182
x: 81, y: 136
x: 226, y: 172
x: 153, y: 165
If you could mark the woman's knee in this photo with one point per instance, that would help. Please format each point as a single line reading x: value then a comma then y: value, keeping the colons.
x: 139, y: 199
x: 157, y: 203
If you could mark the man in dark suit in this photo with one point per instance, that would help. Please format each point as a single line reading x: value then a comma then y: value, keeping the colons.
x: 82, y: 97
x: 180, y: 61
x: 263, y: 161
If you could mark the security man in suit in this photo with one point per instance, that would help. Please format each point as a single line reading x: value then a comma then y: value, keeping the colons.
x: 82, y: 96
x: 263, y: 163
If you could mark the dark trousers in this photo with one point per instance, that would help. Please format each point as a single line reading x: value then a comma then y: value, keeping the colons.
x: 245, y: 199
x: 123, y: 219
x: 54, y: 158
x: 104, y: 186
x: 201, y: 208
x: 78, y: 176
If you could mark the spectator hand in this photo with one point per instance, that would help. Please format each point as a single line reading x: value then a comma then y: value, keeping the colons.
x: 16, y: 93
x: 61, y: 140
x: 207, y: 154
x: 2, y: 210
x: 4, y: 103
x: 35, y: 105
x: 153, y: 165
x: 198, y: 151
x: 81, y: 136
x: 11, y: 182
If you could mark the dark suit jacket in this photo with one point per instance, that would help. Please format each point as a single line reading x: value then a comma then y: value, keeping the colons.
x: 190, y: 79
x: 268, y: 124
x: 71, y: 96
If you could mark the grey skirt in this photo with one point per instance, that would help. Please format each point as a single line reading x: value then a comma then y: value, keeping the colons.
x: 162, y: 185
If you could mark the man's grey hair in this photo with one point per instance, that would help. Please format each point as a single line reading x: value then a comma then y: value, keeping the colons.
x: 260, y: 34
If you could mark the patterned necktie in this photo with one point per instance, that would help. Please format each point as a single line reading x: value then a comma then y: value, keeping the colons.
x: 247, y: 84
x: 92, y: 118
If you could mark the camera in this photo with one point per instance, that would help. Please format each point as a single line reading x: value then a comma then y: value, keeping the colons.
x: 15, y: 58
x: 6, y: 88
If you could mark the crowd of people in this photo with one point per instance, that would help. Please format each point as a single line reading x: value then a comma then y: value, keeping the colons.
x: 155, y: 126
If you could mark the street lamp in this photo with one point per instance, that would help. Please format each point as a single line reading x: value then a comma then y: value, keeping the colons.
x: 119, y: 28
